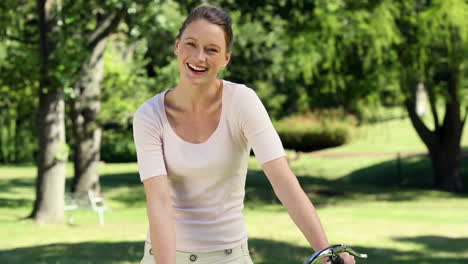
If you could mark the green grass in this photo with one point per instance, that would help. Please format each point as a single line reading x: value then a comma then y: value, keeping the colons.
x: 393, y: 215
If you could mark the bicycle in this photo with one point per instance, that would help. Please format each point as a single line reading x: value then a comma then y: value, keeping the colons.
x: 333, y: 254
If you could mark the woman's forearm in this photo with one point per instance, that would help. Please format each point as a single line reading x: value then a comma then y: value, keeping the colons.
x: 161, y: 220
x: 162, y: 234
x: 291, y: 195
x: 304, y: 215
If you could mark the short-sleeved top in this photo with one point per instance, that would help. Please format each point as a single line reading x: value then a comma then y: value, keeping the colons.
x: 207, y: 180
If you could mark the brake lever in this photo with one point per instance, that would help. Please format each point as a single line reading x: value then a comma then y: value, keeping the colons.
x: 332, y: 253
x: 338, y: 249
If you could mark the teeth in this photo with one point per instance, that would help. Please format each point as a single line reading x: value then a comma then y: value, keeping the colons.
x: 196, y: 68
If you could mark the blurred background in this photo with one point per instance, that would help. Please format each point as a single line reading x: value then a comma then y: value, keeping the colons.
x: 370, y: 99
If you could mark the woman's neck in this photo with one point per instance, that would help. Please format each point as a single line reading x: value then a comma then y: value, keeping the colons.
x: 196, y: 98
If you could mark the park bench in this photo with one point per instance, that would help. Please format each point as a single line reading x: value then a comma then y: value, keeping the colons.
x: 84, y: 201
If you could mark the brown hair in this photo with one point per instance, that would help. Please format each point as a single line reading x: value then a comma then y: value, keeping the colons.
x: 213, y: 15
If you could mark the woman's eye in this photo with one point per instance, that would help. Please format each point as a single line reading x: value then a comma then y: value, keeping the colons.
x: 213, y: 50
x: 191, y: 44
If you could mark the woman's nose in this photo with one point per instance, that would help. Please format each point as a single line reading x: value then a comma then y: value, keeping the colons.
x: 200, y: 54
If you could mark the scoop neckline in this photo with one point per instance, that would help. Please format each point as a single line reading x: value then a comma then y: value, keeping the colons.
x: 218, y: 127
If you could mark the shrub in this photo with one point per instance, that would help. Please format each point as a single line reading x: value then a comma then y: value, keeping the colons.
x: 123, y: 151
x: 117, y: 146
x: 317, y: 130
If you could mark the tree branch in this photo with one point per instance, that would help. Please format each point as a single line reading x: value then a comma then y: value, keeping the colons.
x: 423, y: 131
x: 64, y: 12
x: 107, y: 25
x: 432, y: 102
x: 465, y: 117
x: 23, y: 41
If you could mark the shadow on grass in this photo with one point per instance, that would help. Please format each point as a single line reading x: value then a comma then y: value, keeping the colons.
x: 409, y: 172
x: 394, y: 180
x: 76, y: 253
x: 258, y: 190
x: 263, y: 251
x: 438, y: 243
x: 134, y: 194
x: 8, y: 185
x: 110, y: 180
x: 15, y: 202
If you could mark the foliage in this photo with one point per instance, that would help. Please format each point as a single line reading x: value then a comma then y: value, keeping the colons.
x: 125, y: 85
x: 127, y: 82
x: 262, y: 48
x: 338, y: 50
x: 139, y: 63
x: 18, y: 83
x: 435, y: 44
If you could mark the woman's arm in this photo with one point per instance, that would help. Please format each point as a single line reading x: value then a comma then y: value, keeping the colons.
x: 161, y: 220
x: 291, y: 195
x: 301, y: 210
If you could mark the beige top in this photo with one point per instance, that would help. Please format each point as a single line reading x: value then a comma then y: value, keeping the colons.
x: 207, y: 180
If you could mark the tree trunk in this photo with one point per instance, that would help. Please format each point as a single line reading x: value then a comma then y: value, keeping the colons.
x: 86, y: 107
x: 445, y: 165
x: 444, y: 142
x: 50, y: 184
x: 87, y: 131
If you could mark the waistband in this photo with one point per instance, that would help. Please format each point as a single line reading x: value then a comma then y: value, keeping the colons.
x: 241, y: 250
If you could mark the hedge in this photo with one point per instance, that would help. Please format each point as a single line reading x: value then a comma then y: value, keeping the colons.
x: 315, y: 131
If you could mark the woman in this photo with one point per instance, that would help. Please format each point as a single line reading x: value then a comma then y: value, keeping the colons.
x: 193, y: 144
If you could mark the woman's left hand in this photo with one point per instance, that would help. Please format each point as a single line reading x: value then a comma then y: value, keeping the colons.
x: 347, y: 258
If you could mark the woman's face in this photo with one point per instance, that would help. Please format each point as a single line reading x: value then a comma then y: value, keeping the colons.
x: 201, y: 52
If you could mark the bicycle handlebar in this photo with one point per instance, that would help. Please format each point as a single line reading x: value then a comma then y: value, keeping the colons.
x: 333, y: 253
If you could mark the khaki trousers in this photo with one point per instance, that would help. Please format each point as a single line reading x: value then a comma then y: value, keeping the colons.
x: 238, y: 255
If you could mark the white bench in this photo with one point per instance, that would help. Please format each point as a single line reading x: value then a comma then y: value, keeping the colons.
x: 84, y: 201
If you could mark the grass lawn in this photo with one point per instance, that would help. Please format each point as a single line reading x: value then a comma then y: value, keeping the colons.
x: 381, y: 208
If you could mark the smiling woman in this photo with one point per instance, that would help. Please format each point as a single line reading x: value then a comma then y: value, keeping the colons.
x: 193, y: 144
x: 201, y: 52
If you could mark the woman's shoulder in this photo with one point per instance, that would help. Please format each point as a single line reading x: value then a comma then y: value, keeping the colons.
x: 243, y: 101
x: 238, y: 91
x: 151, y: 109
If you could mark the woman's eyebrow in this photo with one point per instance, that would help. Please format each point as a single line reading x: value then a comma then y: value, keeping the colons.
x: 214, y: 46
x: 211, y: 44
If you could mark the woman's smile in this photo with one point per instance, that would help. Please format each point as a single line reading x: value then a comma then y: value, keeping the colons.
x: 197, y: 69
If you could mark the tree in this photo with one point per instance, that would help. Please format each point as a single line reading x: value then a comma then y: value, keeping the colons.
x: 85, y: 102
x: 50, y: 184
x: 347, y: 50
x: 67, y: 60
x: 435, y: 54
x: 134, y: 17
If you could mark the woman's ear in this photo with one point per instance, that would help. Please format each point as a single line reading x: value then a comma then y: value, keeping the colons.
x: 227, y: 59
x: 176, y: 46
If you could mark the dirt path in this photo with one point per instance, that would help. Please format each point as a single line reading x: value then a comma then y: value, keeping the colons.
x: 332, y: 154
